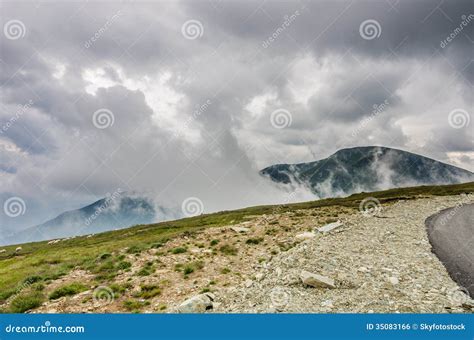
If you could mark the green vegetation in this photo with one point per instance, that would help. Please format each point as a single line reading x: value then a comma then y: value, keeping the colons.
x: 214, y: 242
x: 105, y: 256
x: 51, y: 262
x: 119, y: 289
x: 178, y: 250
x: 225, y: 271
x: 148, y: 291
x: 189, y: 268
x: 254, y: 240
x: 135, y: 249
x: 67, y: 290
x: 24, y: 302
x: 134, y: 305
x: 147, y: 269
x: 124, y: 265
x: 227, y: 249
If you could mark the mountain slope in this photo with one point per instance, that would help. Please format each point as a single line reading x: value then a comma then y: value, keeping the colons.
x: 105, y: 214
x: 368, y: 168
x: 98, y: 261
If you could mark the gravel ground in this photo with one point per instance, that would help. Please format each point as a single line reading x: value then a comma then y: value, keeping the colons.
x: 381, y: 264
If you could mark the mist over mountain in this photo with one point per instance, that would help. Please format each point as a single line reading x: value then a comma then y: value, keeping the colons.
x: 363, y: 169
x: 117, y: 211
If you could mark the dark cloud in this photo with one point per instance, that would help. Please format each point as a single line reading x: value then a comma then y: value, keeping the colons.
x: 192, y: 117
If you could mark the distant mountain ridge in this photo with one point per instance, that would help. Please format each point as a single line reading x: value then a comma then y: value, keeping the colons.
x: 364, y: 169
x: 113, y: 212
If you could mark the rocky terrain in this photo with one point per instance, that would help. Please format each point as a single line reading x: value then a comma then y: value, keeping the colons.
x: 381, y: 264
x: 377, y: 259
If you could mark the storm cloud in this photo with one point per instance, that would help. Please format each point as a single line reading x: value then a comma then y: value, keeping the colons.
x: 193, y: 98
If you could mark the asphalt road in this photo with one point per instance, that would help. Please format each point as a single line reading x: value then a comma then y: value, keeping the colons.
x: 451, y: 233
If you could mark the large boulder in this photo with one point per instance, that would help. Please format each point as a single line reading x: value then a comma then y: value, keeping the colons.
x: 197, y: 304
x: 315, y: 280
x: 329, y: 227
x: 305, y: 236
x: 240, y: 229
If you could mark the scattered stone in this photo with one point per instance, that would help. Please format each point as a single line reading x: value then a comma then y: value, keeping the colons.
x: 305, y: 236
x: 240, y: 229
x: 331, y: 226
x: 317, y: 281
x: 248, y: 283
x: 3, y: 251
x: 259, y: 277
x: 363, y: 270
x: 393, y: 280
x: 197, y: 304
x: 327, y: 303
x: 18, y: 249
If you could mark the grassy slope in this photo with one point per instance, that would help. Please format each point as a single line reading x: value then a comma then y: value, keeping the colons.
x: 52, y: 261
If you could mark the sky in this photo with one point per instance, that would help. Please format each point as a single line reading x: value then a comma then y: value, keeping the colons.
x: 188, y: 100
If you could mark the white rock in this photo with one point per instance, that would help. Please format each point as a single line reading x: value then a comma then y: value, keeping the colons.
x: 315, y: 280
x: 331, y: 226
x: 248, y: 283
x: 305, y: 236
x: 278, y: 271
x: 197, y: 304
x: 327, y: 303
x: 18, y: 249
x: 362, y: 269
x: 259, y: 277
x: 3, y: 251
x: 240, y: 229
x: 393, y: 280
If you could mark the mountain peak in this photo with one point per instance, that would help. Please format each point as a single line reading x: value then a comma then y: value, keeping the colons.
x: 366, y: 168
